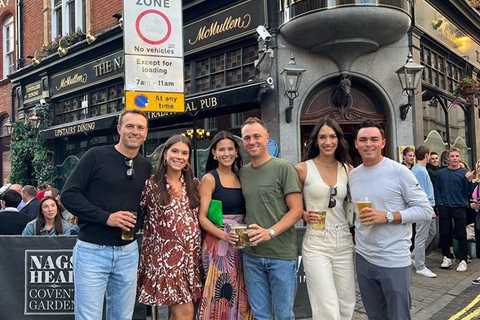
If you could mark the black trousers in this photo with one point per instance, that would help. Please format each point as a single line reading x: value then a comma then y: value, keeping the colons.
x: 453, y: 222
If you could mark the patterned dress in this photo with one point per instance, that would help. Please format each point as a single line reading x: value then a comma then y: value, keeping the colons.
x: 224, y: 296
x: 170, y: 260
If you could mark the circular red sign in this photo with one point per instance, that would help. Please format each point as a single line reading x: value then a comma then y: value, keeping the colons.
x: 146, y: 39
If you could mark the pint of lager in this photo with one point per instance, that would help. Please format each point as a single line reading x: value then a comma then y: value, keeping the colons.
x: 129, y: 235
x: 241, y: 231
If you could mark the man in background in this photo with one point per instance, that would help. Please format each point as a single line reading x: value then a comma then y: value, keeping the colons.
x: 31, y: 203
x: 425, y: 231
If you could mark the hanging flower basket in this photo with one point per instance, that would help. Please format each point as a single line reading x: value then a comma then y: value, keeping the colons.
x: 467, y: 87
x: 474, y: 3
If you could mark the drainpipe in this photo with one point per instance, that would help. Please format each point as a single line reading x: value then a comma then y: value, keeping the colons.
x: 20, y: 36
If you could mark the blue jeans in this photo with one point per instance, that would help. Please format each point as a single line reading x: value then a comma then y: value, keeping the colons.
x: 100, y: 270
x: 271, y: 286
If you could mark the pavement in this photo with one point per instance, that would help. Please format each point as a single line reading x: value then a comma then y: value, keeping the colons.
x: 450, y: 296
x: 442, y: 297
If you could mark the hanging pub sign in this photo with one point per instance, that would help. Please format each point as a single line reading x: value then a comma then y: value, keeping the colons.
x: 224, y: 26
x: 153, y: 42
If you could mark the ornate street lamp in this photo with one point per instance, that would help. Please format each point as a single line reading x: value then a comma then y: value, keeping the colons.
x: 9, y: 127
x: 410, y: 76
x: 292, y: 76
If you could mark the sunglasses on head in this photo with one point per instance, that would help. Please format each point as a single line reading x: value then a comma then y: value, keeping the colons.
x: 130, y: 171
x: 332, y: 202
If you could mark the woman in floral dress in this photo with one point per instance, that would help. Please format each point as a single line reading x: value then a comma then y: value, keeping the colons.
x: 169, y: 272
x: 224, y: 296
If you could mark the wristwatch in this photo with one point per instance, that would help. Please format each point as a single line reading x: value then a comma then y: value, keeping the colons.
x: 390, y: 217
x: 271, y: 232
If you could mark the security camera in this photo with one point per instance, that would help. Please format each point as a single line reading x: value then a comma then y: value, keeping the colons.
x: 263, y: 33
x: 43, y: 102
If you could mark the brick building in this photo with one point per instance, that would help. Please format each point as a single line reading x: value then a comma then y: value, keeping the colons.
x: 8, y: 52
x: 231, y: 73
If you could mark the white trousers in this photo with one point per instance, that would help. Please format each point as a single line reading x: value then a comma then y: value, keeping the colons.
x: 330, y: 273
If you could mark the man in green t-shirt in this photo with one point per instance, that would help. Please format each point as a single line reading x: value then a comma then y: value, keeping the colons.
x: 273, y: 205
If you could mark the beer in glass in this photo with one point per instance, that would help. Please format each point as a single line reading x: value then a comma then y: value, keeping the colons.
x: 129, y: 235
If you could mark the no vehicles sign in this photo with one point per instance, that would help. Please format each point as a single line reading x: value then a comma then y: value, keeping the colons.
x: 154, y: 48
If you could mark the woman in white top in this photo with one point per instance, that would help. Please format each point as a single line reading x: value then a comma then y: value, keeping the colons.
x: 327, y: 244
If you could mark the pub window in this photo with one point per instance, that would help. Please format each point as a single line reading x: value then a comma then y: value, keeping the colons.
x: 68, y: 16
x: 102, y: 101
x: 225, y: 68
x: 8, y: 46
x: 439, y: 71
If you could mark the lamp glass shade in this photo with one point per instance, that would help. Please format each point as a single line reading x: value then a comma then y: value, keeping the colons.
x: 9, y: 127
x: 410, y: 75
x: 292, y: 76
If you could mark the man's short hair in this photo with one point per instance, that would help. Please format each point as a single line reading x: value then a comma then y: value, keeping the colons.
x: 454, y: 149
x: 433, y: 153
x: 125, y: 112
x: 369, y: 124
x: 421, y: 152
x: 252, y: 120
x: 407, y: 150
x: 31, y: 191
x: 11, y: 198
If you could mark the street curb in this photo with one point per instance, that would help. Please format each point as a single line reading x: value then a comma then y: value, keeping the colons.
x: 441, y: 303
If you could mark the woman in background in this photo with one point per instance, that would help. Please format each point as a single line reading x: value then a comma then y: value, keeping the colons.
x: 49, y: 221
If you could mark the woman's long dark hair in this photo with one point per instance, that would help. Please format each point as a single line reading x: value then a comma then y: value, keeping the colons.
x: 190, y: 182
x: 41, y: 218
x: 213, y: 163
x: 341, y: 153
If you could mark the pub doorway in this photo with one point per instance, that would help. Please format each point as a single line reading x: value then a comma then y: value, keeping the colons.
x: 349, y: 101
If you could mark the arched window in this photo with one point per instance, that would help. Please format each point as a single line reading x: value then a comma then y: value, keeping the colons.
x: 8, y: 46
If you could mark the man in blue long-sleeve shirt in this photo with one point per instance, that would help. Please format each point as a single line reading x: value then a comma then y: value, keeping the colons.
x: 452, y: 202
x: 425, y: 230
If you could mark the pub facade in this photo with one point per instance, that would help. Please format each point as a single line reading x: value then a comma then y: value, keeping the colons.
x: 232, y: 72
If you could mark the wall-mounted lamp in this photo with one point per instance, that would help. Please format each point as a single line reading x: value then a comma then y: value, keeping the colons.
x: 9, y: 127
x: 292, y: 76
x: 410, y: 76
x: 90, y: 38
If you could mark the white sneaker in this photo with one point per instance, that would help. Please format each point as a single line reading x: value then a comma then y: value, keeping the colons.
x: 462, y: 266
x: 446, y: 263
x: 426, y: 273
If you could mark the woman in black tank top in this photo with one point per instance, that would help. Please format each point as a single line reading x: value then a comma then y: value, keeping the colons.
x: 221, y: 260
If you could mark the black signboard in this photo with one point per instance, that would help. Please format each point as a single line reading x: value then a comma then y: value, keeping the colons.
x: 48, y: 282
x: 37, y: 281
x: 36, y: 278
x: 217, y: 100
x: 88, y: 74
x: 223, y: 26
x: 223, y: 99
x: 84, y: 126
x: 33, y: 91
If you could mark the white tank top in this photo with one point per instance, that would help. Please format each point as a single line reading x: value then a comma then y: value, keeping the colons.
x: 316, y: 194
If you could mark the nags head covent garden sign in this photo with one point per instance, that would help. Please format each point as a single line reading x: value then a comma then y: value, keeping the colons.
x: 226, y: 25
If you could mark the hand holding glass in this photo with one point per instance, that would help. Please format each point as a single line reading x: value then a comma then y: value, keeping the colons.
x: 129, y: 235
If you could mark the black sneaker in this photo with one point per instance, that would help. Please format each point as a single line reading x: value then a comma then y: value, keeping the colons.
x: 476, y: 281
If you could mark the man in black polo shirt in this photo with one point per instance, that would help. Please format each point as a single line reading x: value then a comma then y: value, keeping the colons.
x: 103, y: 191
